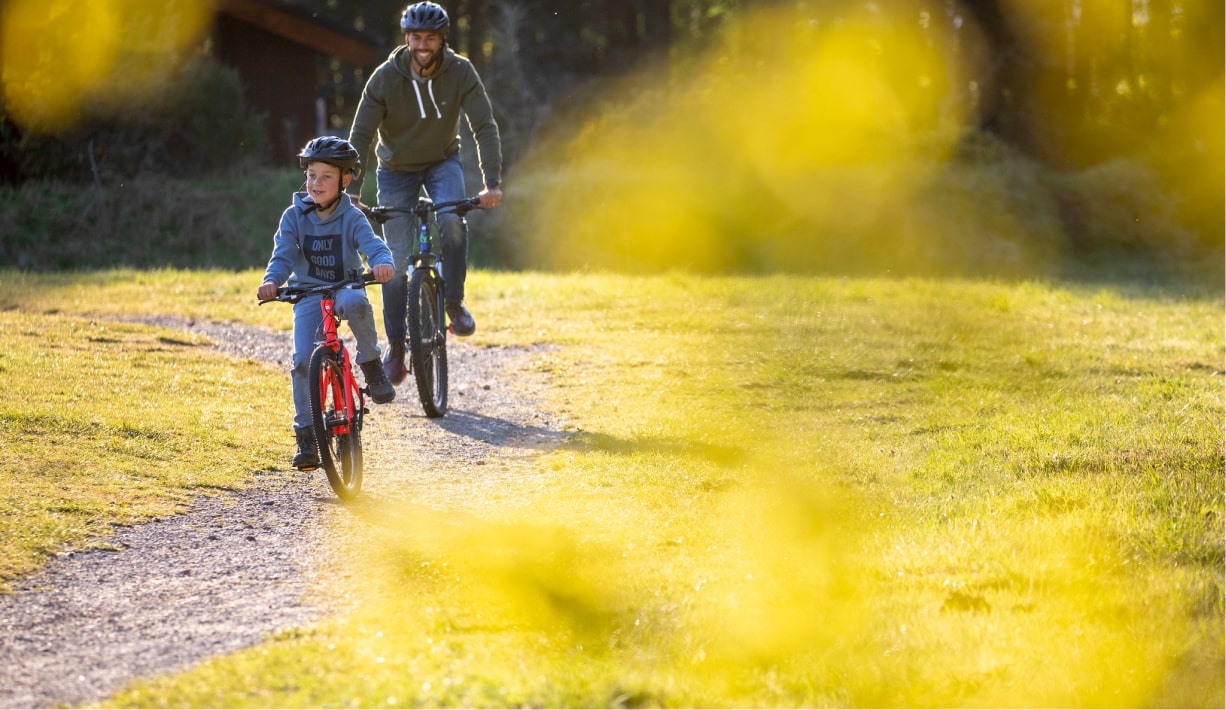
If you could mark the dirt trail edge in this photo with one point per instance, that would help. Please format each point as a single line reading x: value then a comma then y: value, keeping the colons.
x: 236, y: 567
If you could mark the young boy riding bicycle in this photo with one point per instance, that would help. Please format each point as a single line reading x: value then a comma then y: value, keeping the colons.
x: 320, y: 238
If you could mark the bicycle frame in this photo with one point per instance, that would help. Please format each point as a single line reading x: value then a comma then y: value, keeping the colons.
x: 425, y: 210
x: 349, y: 385
x: 346, y: 390
x: 425, y: 258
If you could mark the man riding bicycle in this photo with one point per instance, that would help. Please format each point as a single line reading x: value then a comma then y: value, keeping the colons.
x: 412, y: 105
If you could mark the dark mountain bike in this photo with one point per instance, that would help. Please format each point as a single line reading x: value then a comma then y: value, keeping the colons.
x: 425, y: 318
x: 337, y: 403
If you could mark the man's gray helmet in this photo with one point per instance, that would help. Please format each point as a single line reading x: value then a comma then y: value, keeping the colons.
x: 425, y: 17
x: 331, y: 150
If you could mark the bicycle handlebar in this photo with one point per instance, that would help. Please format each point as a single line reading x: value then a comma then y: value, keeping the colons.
x: 354, y: 279
x: 423, y: 208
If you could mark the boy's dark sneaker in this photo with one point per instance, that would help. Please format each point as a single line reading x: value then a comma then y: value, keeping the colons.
x: 307, y: 458
x: 462, y: 323
x: 377, y: 384
x: 393, y: 364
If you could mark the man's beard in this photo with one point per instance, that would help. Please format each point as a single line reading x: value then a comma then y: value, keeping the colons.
x: 431, y: 59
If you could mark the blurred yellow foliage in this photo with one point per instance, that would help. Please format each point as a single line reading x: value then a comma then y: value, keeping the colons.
x: 796, y: 143
x: 61, y: 59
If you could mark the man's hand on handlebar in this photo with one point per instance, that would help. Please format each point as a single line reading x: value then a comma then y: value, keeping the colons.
x: 357, y: 202
x: 490, y: 198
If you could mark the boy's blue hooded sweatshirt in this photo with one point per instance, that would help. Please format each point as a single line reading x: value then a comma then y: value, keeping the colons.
x: 308, y: 251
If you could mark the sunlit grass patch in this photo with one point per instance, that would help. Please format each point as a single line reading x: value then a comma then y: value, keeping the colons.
x: 217, y: 295
x: 798, y: 491
x: 108, y: 423
x: 774, y: 491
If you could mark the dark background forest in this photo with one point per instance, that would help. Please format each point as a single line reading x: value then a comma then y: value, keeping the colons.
x: 1067, y: 86
x: 1122, y: 64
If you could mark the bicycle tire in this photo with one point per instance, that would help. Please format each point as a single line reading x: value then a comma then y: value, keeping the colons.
x: 340, y: 454
x: 428, y: 341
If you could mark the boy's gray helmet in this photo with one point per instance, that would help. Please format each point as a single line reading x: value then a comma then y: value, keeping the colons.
x: 425, y: 17
x: 333, y: 151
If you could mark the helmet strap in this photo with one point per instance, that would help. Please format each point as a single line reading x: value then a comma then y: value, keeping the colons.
x: 333, y: 201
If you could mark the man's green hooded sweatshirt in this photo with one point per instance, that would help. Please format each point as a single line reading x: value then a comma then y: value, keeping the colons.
x: 417, y: 119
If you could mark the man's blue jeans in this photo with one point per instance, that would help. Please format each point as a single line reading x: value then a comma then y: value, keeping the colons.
x: 444, y: 181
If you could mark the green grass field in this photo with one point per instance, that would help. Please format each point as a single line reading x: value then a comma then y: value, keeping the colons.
x: 775, y: 491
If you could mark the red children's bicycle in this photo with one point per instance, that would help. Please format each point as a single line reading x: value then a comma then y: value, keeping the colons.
x: 337, y: 403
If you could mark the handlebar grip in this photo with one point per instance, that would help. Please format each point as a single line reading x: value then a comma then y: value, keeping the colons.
x: 462, y: 207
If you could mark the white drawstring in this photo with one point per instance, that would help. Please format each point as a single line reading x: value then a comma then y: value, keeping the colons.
x: 420, y: 104
x: 430, y: 88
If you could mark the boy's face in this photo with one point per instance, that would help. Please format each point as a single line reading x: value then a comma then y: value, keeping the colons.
x: 323, y: 181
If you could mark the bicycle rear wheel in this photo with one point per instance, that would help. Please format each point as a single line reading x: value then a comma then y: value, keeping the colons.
x: 337, y: 425
x: 428, y: 341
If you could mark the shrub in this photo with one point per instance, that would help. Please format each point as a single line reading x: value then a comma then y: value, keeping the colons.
x: 198, y: 126
x: 145, y: 222
x: 1121, y: 222
x: 1120, y: 207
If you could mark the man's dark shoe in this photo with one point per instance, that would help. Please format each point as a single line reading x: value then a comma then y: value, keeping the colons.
x: 393, y: 364
x: 307, y: 458
x: 461, y: 320
x: 377, y: 383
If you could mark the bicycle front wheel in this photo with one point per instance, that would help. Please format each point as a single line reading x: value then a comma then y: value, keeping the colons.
x: 337, y: 421
x: 428, y: 341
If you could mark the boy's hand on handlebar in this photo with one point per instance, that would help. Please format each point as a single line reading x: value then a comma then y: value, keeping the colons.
x: 268, y: 291
x: 383, y: 273
x: 490, y: 198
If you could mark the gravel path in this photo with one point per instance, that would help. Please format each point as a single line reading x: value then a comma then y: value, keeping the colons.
x: 236, y: 567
